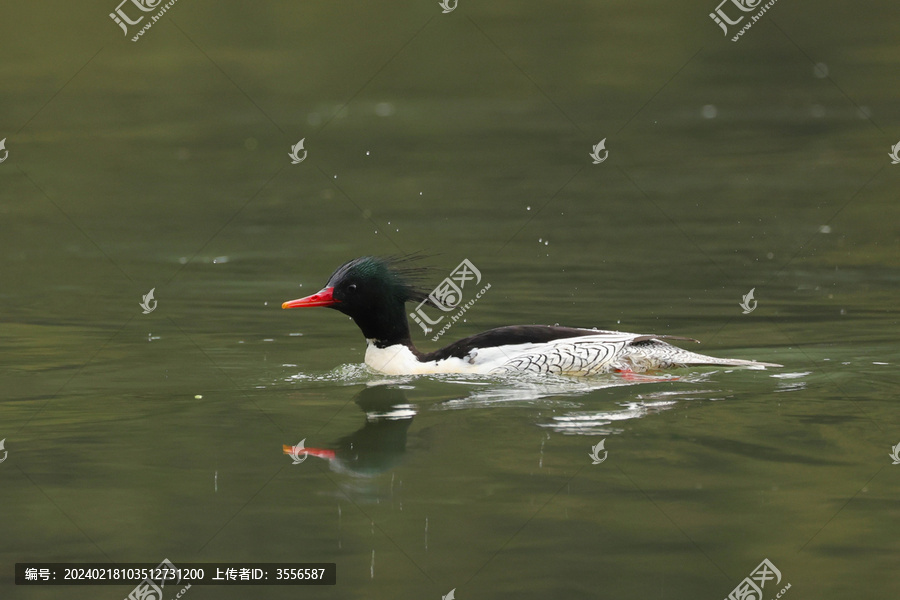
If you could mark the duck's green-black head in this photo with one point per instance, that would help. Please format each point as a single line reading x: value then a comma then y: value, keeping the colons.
x: 373, y: 292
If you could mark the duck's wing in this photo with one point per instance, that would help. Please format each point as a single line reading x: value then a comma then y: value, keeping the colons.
x: 583, y: 355
x: 604, y: 352
x: 513, y: 335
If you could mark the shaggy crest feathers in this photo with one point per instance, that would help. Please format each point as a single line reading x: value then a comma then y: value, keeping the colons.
x: 400, y: 273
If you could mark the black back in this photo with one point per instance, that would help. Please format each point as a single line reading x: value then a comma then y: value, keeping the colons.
x: 502, y: 336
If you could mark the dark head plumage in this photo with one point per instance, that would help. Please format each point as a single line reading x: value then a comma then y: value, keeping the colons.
x: 397, y: 278
x: 373, y: 291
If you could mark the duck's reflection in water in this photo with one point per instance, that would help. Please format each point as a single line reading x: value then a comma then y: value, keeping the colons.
x: 379, y: 444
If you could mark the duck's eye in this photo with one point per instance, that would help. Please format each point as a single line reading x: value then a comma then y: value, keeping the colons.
x: 351, y: 287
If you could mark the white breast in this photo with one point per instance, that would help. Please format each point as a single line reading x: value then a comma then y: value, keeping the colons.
x: 399, y: 360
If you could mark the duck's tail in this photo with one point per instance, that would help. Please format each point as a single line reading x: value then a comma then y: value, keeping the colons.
x: 654, y: 354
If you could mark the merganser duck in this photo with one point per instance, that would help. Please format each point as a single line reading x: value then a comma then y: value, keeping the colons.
x: 374, y: 291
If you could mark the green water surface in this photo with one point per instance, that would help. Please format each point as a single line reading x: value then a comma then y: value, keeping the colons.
x: 163, y: 164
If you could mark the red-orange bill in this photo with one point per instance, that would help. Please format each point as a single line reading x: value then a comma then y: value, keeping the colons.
x: 322, y: 298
